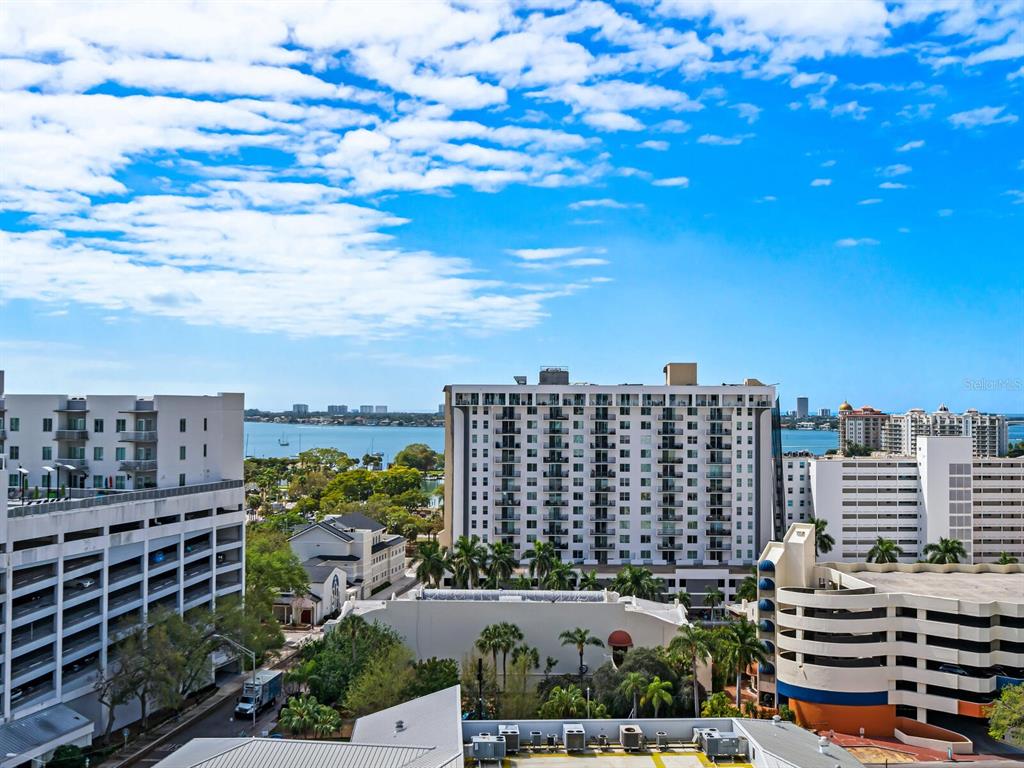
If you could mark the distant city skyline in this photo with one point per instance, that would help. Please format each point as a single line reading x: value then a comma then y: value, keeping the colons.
x: 297, y: 199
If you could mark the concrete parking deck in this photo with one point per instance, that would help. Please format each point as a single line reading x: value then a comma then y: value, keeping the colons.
x: 674, y: 758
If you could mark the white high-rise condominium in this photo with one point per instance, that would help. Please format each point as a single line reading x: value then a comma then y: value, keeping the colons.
x: 897, y: 433
x: 677, y: 477
x: 111, y: 507
x: 943, y: 491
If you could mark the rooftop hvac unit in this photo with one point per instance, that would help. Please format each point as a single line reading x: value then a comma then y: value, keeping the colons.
x: 716, y: 744
x: 511, y: 734
x: 574, y: 737
x: 630, y: 737
x: 488, y: 747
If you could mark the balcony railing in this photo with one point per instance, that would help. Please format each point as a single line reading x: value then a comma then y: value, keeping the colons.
x: 72, y: 434
x: 138, y: 465
x: 143, y: 436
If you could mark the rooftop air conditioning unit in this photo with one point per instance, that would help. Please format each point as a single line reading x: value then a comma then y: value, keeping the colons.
x: 574, y: 737
x: 511, y: 734
x: 630, y: 737
x: 716, y: 744
x: 489, y: 747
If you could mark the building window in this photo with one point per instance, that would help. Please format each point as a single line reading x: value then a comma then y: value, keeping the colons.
x: 181, y: 425
x: 204, y: 450
x: 204, y: 424
x: 97, y: 425
x: 181, y: 479
x: 119, y: 482
x: 119, y: 425
x: 14, y: 452
x: 15, y: 424
x: 120, y: 454
x: 181, y: 453
x: 47, y: 453
x: 97, y: 481
x: 47, y: 425
x: 97, y: 453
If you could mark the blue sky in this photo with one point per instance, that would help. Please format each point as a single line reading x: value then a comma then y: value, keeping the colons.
x: 361, y: 202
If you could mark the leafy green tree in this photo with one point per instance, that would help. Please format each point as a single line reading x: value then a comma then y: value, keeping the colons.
x: 658, y: 692
x: 561, y: 576
x: 581, y: 638
x: 528, y: 653
x: 299, y: 715
x: 693, y: 644
x: 946, y: 551
x: 718, y: 705
x: 563, y: 702
x: 271, y: 566
x: 747, y: 590
x: 330, y: 461
x: 1006, y: 715
x: 519, y: 699
x: 67, y: 756
x: 373, y: 460
x: 542, y: 557
x: 333, y: 670
x: 856, y: 449
x: 500, y: 564
x: 633, y: 685
x: 1005, y: 558
x: 633, y: 580
x: 326, y: 721
x: 684, y: 599
x: 394, y: 481
x: 1015, y: 450
x: 787, y: 714
x: 353, y: 485
x: 742, y: 648
x: 823, y: 541
x: 382, y: 682
x: 419, y: 456
x: 432, y: 675
x: 884, y: 551
x: 430, y: 563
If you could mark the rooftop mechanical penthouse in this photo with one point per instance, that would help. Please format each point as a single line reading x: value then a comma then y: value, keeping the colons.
x: 677, y: 477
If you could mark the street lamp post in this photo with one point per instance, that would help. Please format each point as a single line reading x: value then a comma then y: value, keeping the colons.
x: 70, y: 469
x: 252, y: 654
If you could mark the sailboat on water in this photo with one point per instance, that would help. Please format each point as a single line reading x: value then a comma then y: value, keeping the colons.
x: 282, y: 440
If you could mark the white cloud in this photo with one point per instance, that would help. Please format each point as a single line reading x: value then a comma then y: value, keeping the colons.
x: 945, y: 212
x: 657, y: 146
x: 854, y: 242
x: 916, y: 144
x: 896, y: 169
x: 891, y: 185
x: 612, y: 121
x: 852, y: 108
x: 828, y: 164
x: 982, y: 116
x: 724, y: 141
x: 821, y: 182
x: 748, y: 112
x: 766, y: 199
x: 602, y: 202
x: 870, y: 201
x: 674, y: 181
x: 671, y: 126
x: 1017, y: 195
x: 536, y: 254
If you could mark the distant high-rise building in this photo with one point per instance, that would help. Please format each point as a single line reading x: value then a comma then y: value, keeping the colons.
x: 676, y: 476
x: 898, y: 433
x: 300, y: 409
x: 801, y: 408
x: 337, y: 410
x: 366, y: 409
x: 440, y: 409
x: 380, y: 409
x: 826, y: 412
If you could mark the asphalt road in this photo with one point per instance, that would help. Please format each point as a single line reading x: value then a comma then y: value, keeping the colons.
x: 219, y: 723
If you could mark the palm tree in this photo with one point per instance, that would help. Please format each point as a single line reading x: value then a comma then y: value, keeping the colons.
x: 588, y: 582
x: 639, y: 582
x: 658, y: 692
x: 561, y: 576
x: 633, y: 684
x: 326, y: 721
x: 299, y: 714
x: 489, y: 642
x: 684, y: 599
x: 946, y: 551
x: 466, y: 559
x: 501, y: 563
x: 747, y: 590
x: 542, y: 557
x: 742, y: 648
x: 581, y: 638
x: 508, y: 635
x: 431, y: 562
x: 823, y: 541
x: 1005, y: 558
x: 352, y: 625
x: 527, y: 652
x: 693, y: 643
x: 564, y: 702
x: 884, y: 551
x: 712, y: 599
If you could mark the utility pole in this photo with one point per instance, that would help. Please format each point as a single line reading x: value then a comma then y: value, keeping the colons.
x: 480, y: 688
x: 252, y: 654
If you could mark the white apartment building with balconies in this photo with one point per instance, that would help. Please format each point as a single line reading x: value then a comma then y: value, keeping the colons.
x: 944, y: 491
x: 798, y: 506
x: 884, y: 647
x: 87, y: 556
x: 677, y: 477
x: 989, y: 433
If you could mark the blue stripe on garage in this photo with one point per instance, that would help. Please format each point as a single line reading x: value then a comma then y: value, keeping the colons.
x: 816, y: 696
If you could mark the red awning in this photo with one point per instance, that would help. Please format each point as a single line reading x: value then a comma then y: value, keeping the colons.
x: 620, y: 639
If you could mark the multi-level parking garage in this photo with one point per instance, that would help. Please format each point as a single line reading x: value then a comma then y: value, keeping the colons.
x: 860, y: 645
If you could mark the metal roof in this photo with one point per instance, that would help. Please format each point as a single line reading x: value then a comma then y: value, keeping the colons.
x: 357, y: 520
x: 25, y: 736
x: 324, y: 526
x: 794, y: 746
x: 289, y: 753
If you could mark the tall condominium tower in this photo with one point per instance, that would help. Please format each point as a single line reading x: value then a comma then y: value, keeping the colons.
x: 677, y: 477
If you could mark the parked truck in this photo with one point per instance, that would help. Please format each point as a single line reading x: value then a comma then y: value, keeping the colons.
x: 260, y: 693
